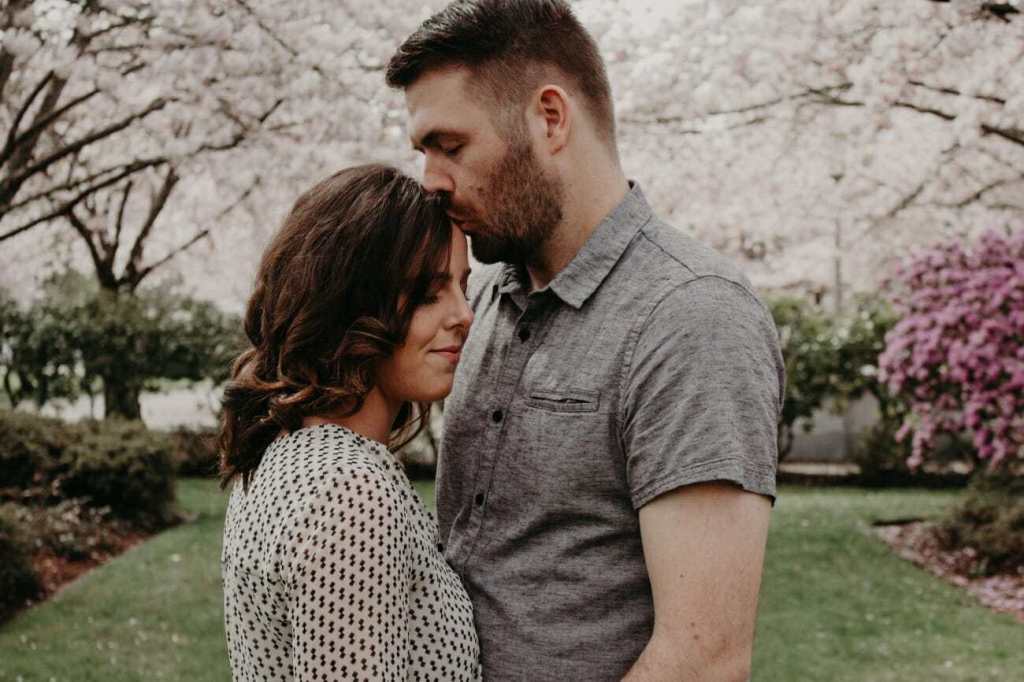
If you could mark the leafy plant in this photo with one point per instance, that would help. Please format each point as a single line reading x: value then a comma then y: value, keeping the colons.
x: 957, y: 353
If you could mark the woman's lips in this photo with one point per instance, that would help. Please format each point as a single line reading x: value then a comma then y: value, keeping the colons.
x: 452, y: 353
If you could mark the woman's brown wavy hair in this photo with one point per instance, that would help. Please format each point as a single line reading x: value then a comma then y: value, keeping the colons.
x: 335, y: 293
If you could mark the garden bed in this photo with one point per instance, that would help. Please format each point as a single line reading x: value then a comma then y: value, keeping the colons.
x: 55, y: 571
x: 918, y: 542
x: 74, y: 495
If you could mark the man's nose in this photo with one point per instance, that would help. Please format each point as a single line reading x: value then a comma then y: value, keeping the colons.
x: 435, y: 179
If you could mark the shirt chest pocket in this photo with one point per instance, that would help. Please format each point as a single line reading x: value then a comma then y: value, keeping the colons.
x: 563, y: 400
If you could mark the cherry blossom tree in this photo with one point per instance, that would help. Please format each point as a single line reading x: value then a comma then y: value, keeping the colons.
x: 813, y: 140
x: 816, y: 138
x: 139, y: 130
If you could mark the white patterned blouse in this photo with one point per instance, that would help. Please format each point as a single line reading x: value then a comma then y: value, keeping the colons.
x: 332, y: 571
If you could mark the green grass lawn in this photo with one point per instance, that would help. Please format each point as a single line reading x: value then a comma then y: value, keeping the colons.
x: 835, y: 605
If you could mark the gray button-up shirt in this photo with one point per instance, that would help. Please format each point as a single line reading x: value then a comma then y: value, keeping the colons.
x: 646, y: 364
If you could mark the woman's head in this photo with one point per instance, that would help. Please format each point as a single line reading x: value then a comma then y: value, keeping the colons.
x: 354, y: 293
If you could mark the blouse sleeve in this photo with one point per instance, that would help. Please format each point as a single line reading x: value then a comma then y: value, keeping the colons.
x: 346, y: 560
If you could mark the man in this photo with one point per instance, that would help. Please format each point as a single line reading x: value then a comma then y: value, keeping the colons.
x: 608, y: 462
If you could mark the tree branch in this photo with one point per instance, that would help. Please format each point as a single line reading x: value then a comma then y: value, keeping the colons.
x: 72, y: 184
x: 64, y: 207
x: 767, y: 104
x: 906, y: 200
x: 119, y: 224
x: 199, y: 235
x: 156, y: 206
x: 955, y: 92
x: 974, y: 196
x: 6, y: 70
x: 9, y: 186
x: 145, y: 272
x: 45, y: 122
x: 241, y: 133
x: 1009, y: 134
x: 16, y: 123
x: 104, y: 273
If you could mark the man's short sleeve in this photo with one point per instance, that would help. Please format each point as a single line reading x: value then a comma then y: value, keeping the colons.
x: 702, y: 393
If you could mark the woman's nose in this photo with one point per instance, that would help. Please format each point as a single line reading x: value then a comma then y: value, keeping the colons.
x: 463, y: 313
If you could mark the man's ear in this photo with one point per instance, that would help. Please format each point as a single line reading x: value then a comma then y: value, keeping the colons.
x: 555, y: 110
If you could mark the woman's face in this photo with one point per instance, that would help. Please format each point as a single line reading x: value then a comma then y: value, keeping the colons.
x: 423, y: 368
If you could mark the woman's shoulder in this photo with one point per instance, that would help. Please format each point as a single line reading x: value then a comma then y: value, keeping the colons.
x: 325, y: 470
x: 326, y: 449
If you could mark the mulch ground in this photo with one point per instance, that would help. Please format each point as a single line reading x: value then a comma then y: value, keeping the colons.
x: 54, y: 572
x: 916, y: 542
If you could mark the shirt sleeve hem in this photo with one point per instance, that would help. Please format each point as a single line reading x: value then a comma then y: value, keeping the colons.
x: 729, y: 469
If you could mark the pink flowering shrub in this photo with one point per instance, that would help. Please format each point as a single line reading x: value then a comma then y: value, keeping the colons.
x: 957, y: 354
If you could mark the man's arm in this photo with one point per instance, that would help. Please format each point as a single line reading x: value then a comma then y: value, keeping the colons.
x: 704, y: 547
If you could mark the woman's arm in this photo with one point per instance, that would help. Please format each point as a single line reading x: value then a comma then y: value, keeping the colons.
x: 347, y: 566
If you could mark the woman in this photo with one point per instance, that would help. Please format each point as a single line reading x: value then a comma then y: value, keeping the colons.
x: 331, y: 564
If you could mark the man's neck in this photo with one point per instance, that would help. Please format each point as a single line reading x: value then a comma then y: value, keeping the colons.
x: 586, y: 205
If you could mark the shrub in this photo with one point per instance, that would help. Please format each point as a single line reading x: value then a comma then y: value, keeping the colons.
x: 31, y: 447
x: 70, y: 529
x: 990, y: 522
x: 18, y: 582
x: 956, y: 354
x: 807, y: 342
x: 881, y: 458
x: 194, y: 451
x: 123, y: 466
x: 80, y: 339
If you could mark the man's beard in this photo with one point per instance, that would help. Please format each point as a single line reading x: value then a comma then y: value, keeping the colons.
x: 524, y: 208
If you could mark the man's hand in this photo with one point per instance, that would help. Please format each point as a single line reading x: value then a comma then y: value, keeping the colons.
x: 704, y: 547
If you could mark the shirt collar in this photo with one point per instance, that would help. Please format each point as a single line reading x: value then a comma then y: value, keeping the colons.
x: 602, y: 250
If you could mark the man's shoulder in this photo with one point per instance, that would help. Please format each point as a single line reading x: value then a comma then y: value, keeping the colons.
x: 679, y: 258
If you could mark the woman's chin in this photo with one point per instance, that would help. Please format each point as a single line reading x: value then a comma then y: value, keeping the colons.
x: 431, y: 394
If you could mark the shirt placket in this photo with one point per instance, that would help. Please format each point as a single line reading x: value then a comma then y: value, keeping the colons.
x: 520, y: 322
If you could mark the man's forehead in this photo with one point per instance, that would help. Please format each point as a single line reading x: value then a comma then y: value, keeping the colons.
x: 441, y: 99
x: 434, y: 83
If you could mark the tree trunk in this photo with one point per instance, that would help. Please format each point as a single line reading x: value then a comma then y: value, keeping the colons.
x: 121, y: 399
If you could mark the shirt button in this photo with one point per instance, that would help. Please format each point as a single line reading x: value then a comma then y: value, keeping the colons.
x: 497, y: 416
x: 524, y: 334
x: 440, y: 547
x: 479, y: 499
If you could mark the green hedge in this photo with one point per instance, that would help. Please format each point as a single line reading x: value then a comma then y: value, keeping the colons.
x: 18, y: 582
x: 30, y: 448
x: 69, y: 529
x: 194, y: 451
x: 123, y: 466
x: 119, y: 466
x: 991, y: 522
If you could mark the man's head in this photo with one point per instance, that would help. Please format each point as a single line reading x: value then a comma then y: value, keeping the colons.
x: 494, y: 88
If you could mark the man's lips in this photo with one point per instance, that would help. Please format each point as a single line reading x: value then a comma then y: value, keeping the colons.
x: 460, y: 221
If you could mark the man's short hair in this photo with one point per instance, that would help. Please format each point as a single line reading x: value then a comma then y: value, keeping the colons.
x: 509, y: 46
